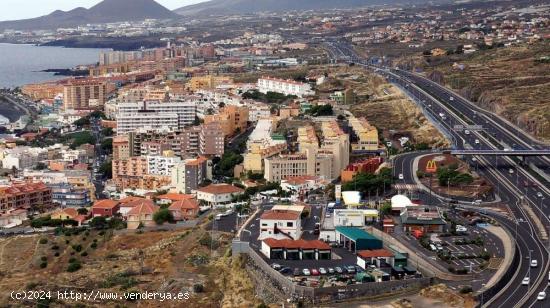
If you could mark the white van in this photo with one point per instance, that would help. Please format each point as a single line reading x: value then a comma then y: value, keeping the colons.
x: 432, y: 247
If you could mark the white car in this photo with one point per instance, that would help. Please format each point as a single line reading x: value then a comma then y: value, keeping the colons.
x: 541, y: 296
x: 460, y: 228
x: 511, y: 171
x: 452, y: 98
x: 467, y: 132
x: 534, y: 263
x: 525, y: 281
x: 477, y: 141
x: 401, y: 177
x: 306, y: 272
x: 539, y: 194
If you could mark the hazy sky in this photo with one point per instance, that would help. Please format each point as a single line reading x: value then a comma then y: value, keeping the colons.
x: 19, y: 9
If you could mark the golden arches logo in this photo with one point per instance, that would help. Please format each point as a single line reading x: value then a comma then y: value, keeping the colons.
x: 431, y: 166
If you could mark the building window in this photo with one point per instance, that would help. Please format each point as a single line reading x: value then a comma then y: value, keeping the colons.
x: 290, y: 224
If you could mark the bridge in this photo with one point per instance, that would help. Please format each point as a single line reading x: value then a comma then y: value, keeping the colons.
x: 499, y: 152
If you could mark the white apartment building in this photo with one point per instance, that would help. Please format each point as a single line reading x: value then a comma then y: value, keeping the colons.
x: 131, y: 116
x: 216, y: 194
x: 287, y: 87
x: 23, y: 157
x: 162, y: 165
x: 280, y: 224
x: 148, y: 120
x: 257, y: 111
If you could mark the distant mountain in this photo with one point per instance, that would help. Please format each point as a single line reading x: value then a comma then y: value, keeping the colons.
x: 105, y: 11
x: 251, y: 6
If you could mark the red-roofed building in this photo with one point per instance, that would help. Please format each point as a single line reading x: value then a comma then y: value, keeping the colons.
x: 126, y: 207
x: 184, y: 209
x: 280, y: 225
x: 374, y: 257
x: 105, y: 208
x: 171, y: 197
x: 217, y: 194
x: 287, y: 249
x: 142, y: 214
x: 33, y: 196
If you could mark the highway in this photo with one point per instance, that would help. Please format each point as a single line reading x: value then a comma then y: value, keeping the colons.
x: 515, y: 184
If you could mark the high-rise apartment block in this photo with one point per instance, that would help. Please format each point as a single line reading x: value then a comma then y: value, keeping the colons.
x: 84, y: 94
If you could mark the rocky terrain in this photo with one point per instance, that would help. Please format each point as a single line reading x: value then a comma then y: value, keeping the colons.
x: 512, y: 82
x: 160, y: 261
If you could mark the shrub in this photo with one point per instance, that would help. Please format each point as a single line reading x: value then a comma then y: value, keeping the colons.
x: 73, y: 267
x: 72, y: 260
x: 55, y: 247
x: 44, y: 258
x: 43, y: 264
x: 163, y: 216
x: 198, y: 288
x: 43, y: 241
x: 77, y: 248
x: 93, y: 246
x: 84, y: 254
x: 67, y: 242
x: 56, y: 254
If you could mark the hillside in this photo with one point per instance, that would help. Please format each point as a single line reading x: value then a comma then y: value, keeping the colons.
x: 222, y: 7
x: 105, y: 11
x: 512, y: 82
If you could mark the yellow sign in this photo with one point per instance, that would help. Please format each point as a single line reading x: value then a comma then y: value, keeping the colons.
x: 431, y: 166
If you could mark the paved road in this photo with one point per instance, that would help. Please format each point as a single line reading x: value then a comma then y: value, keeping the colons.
x: 446, y: 109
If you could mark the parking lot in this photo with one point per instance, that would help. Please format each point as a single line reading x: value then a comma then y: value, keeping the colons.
x: 470, y: 251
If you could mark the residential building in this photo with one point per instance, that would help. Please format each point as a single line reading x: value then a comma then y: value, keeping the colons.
x: 232, y: 119
x: 189, y: 174
x: 67, y: 195
x: 163, y: 164
x: 286, y: 87
x: 365, y: 135
x: 280, y: 167
x: 184, y: 209
x: 208, y: 82
x: 30, y: 196
x: 23, y: 157
x: 85, y: 94
x: 141, y: 215
x: 171, y: 115
x: 218, y: 194
x: 105, y: 208
x: 280, y: 224
x: 302, y: 184
x: 365, y: 166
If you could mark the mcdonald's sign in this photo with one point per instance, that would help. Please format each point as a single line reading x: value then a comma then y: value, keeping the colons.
x: 431, y: 166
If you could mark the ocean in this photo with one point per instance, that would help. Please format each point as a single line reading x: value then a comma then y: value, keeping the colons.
x: 22, y: 64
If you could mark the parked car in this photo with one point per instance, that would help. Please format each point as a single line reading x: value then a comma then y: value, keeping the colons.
x: 401, y: 176
x: 306, y: 272
x: 276, y: 266
x: 285, y: 270
x: 315, y: 272
x: 330, y: 270
x: 297, y: 272
x: 338, y: 270
x: 350, y: 269
x: 322, y: 271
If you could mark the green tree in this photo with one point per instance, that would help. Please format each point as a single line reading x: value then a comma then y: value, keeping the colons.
x: 107, y: 169
x: 162, y: 216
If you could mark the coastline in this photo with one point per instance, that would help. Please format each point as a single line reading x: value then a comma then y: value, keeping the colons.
x: 10, y: 111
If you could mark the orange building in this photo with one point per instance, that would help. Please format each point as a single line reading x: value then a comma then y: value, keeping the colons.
x: 232, y: 119
x: 25, y: 196
x: 40, y: 91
